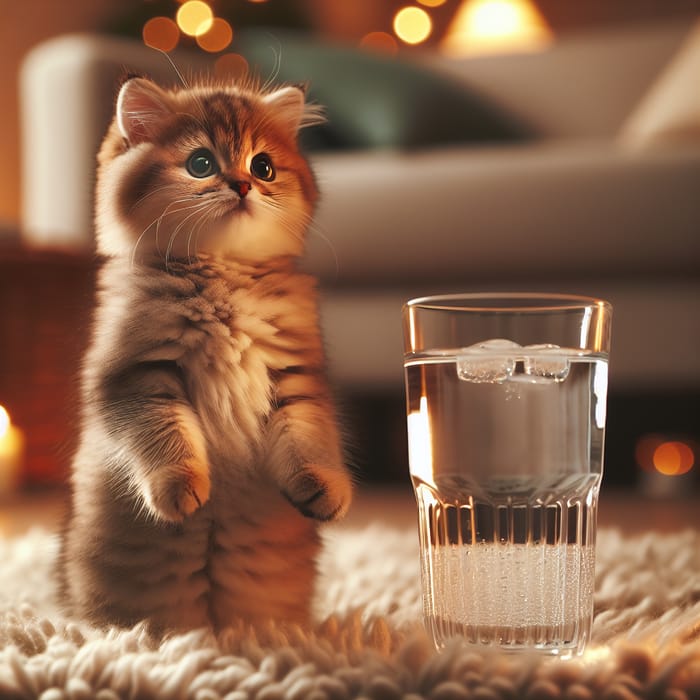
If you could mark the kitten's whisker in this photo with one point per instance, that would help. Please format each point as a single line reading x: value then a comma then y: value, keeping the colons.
x: 308, y: 224
x: 136, y: 245
x: 185, y: 84
x: 281, y: 213
x: 196, y: 209
x: 194, y: 233
x: 315, y: 230
x: 157, y: 221
x: 277, y: 53
x: 144, y: 197
x: 169, y: 210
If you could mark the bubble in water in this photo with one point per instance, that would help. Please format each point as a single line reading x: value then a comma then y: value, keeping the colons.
x: 547, y: 363
x: 490, y: 362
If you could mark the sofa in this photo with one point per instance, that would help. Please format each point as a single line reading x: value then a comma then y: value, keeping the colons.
x: 533, y: 172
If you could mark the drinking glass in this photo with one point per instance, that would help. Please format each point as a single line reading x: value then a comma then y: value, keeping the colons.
x: 506, y: 403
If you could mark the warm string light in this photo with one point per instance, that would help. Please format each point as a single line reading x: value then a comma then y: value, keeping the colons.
x: 380, y: 42
x: 217, y: 37
x: 161, y: 33
x: 231, y: 66
x: 194, y: 18
x: 412, y: 25
x: 667, y: 456
x: 673, y: 458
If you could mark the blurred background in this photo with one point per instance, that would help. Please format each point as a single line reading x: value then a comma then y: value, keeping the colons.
x: 518, y: 145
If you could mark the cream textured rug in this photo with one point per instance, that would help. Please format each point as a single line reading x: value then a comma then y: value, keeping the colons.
x: 368, y: 642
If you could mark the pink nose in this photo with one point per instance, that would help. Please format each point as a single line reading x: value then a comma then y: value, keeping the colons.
x: 242, y: 187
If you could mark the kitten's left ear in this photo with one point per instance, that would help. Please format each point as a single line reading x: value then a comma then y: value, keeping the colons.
x: 287, y: 105
x: 141, y: 106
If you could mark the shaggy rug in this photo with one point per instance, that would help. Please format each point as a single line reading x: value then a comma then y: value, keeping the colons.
x: 368, y: 641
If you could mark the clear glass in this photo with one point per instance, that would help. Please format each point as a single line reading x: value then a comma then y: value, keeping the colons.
x: 506, y: 403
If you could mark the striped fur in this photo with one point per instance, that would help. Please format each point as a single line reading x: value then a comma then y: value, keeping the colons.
x: 209, y: 448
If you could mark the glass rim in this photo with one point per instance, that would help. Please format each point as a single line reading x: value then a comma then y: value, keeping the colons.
x: 519, y: 302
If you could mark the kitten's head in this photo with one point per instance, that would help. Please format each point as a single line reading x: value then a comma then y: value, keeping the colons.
x: 205, y: 169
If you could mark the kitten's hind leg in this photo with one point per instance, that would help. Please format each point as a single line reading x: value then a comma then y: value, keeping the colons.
x: 159, y: 438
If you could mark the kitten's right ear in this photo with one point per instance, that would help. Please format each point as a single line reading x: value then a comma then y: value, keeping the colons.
x: 141, y: 105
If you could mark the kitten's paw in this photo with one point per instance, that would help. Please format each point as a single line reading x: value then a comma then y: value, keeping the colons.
x: 176, y: 491
x: 320, y: 493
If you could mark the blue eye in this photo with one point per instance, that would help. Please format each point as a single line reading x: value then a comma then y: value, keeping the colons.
x: 202, y: 163
x: 262, y: 168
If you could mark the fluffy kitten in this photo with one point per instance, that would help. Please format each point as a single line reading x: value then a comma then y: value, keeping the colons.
x: 209, y: 447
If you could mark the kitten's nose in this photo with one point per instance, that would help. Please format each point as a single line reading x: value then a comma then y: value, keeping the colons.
x: 241, y: 186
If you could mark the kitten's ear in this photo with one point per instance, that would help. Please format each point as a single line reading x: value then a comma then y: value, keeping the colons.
x: 287, y: 105
x: 141, y: 105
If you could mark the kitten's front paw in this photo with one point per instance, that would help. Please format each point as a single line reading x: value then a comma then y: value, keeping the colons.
x: 320, y: 493
x: 175, y: 491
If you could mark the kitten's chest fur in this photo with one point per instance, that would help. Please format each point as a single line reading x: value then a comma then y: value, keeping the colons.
x: 229, y: 328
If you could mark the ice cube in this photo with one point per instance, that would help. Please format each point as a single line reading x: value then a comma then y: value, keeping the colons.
x: 489, y: 362
x: 546, y: 362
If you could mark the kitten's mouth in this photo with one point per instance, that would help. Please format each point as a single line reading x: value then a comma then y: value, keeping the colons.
x: 240, y: 207
x: 235, y: 207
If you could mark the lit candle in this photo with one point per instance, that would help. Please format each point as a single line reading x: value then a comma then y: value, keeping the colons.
x: 11, y: 451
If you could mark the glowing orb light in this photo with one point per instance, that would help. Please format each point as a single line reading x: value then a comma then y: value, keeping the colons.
x: 217, y: 38
x: 161, y: 33
x: 195, y: 17
x: 412, y: 25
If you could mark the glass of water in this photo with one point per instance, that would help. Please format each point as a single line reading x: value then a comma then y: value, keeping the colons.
x: 506, y: 402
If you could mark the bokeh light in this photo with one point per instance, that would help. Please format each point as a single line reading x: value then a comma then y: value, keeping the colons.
x: 381, y: 42
x: 673, y: 458
x: 231, y: 66
x: 218, y: 37
x: 667, y: 455
x: 432, y: 3
x: 412, y: 25
x: 161, y: 33
x: 195, y: 17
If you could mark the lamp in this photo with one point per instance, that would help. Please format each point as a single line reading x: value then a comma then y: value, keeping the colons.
x: 496, y: 26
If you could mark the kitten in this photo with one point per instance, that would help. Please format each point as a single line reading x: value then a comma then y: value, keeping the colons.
x: 209, y: 448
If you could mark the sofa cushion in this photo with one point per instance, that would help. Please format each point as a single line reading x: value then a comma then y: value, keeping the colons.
x: 373, y: 101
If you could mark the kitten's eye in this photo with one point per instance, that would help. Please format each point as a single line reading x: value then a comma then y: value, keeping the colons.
x: 202, y: 163
x: 262, y: 168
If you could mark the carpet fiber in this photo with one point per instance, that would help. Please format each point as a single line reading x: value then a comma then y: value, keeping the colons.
x: 368, y: 641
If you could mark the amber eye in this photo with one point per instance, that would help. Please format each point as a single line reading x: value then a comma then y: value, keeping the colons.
x: 202, y: 163
x: 262, y: 168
